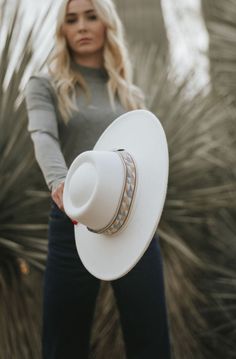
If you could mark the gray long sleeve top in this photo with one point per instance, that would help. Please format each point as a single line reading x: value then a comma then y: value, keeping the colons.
x: 56, y: 144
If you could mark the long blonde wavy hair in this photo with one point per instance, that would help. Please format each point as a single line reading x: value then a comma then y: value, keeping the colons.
x: 116, y: 63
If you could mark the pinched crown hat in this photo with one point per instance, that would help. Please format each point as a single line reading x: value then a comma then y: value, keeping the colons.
x: 116, y: 193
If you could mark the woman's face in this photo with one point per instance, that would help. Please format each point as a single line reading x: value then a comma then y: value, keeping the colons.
x: 83, y: 30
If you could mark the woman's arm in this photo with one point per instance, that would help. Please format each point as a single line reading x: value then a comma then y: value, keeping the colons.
x: 42, y: 125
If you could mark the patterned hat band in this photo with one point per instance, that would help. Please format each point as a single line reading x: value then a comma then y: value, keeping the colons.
x: 126, y: 197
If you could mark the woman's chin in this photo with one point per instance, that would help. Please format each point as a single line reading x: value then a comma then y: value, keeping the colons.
x: 87, y: 48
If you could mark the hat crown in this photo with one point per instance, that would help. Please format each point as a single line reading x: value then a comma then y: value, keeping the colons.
x: 82, y: 184
x: 94, y: 188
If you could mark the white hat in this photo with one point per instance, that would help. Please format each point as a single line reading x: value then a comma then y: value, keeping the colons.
x: 116, y: 193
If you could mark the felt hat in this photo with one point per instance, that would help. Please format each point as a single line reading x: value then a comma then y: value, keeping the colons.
x: 116, y: 193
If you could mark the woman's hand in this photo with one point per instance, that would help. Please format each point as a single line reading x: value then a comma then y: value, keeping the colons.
x: 57, y: 196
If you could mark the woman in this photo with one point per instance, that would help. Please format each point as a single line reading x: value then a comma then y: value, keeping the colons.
x: 89, y: 85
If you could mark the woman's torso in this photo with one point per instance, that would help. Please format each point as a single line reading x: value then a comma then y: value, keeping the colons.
x: 86, y: 126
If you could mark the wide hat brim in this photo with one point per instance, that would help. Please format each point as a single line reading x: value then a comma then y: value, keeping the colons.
x: 110, y: 257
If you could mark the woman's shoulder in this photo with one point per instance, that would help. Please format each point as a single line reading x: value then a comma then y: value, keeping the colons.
x: 40, y: 83
x: 40, y: 78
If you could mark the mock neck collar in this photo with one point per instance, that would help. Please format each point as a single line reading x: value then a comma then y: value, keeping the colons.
x: 90, y: 72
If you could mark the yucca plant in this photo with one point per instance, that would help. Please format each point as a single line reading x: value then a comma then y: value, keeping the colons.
x: 23, y: 246
x: 220, y: 19
x: 200, y: 133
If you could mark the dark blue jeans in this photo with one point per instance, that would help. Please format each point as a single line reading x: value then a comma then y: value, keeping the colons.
x: 70, y: 293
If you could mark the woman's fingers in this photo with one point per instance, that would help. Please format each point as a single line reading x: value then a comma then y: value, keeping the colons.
x: 57, y: 196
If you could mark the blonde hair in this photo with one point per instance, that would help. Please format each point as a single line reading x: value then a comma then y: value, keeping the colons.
x: 116, y: 63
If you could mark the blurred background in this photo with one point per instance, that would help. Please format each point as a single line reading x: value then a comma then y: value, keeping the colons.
x: 184, y: 58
